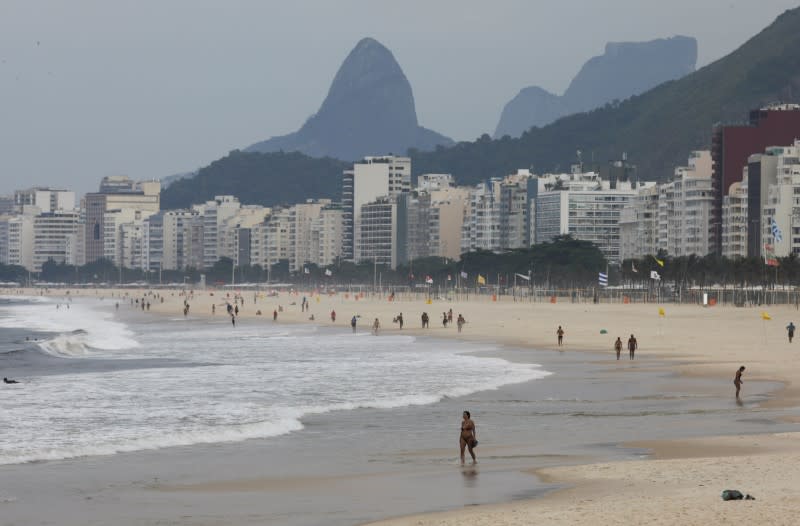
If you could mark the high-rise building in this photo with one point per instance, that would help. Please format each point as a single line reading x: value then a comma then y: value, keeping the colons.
x: 117, y: 193
x: 46, y: 199
x: 54, y: 237
x: 377, y: 234
x: 368, y: 180
x: 638, y: 224
x: 780, y: 216
x: 734, y: 220
x: 732, y: 145
x: 587, y: 208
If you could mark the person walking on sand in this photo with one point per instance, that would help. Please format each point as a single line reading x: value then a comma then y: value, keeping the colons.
x: 400, y: 320
x: 376, y: 325
x: 737, y: 380
x: 467, y: 437
x: 790, y: 331
x: 333, y: 316
x: 632, y: 346
x: 460, y: 322
x: 560, y: 334
x: 618, y: 346
x: 233, y: 321
x: 444, y: 320
x: 425, y: 320
x: 353, y: 322
x: 274, y: 315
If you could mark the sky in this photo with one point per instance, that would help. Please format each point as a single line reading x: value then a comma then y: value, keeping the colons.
x: 156, y: 87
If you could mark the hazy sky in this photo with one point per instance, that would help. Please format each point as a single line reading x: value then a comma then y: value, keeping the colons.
x: 150, y: 88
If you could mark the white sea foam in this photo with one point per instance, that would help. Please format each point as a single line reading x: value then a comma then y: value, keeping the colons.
x: 261, y: 383
x: 40, y: 314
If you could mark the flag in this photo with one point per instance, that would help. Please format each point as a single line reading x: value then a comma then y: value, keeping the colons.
x: 523, y: 276
x: 633, y: 267
x: 328, y: 272
x: 661, y: 312
x: 602, y: 279
x: 765, y: 316
x: 464, y: 275
x: 481, y: 280
x: 449, y: 277
x: 769, y: 256
x: 429, y: 280
x: 655, y: 275
x: 659, y: 261
x: 306, y: 271
x: 776, y: 232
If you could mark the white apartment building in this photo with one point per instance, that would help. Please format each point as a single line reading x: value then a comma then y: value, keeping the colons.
x: 54, y: 237
x: 327, y: 233
x: 301, y: 235
x: 685, y: 207
x: 377, y: 235
x: 638, y: 224
x: 481, y: 227
x: 45, y: 199
x: 233, y: 242
x: 214, y: 214
x: 16, y: 240
x: 116, y: 193
x: 587, y: 208
x: 734, y: 220
x: 368, y: 180
x: 447, y: 209
x: 782, y: 203
x: 174, y: 240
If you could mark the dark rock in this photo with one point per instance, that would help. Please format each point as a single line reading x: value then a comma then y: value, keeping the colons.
x: 369, y: 110
x: 624, y: 70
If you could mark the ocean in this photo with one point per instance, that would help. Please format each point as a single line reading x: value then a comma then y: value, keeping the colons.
x: 131, y: 418
x: 94, y: 383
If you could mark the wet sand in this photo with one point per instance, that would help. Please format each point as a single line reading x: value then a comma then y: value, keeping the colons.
x: 594, y: 409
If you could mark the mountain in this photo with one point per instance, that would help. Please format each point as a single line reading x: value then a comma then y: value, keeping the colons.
x: 657, y: 129
x: 625, y: 69
x: 258, y: 178
x: 369, y: 110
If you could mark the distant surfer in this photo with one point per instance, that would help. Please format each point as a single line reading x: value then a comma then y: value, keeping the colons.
x: 7, y: 381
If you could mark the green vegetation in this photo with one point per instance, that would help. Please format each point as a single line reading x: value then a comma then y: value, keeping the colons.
x: 657, y: 129
x: 259, y: 178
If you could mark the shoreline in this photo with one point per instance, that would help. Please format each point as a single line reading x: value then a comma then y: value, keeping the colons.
x: 741, y: 337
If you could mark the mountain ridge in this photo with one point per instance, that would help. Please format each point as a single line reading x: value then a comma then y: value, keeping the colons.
x: 369, y: 109
x: 623, y: 70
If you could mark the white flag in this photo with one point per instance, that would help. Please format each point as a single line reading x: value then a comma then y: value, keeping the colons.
x: 523, y: 276
x: 306, y: 271
x: 464, y: 275
x: 328, y: 272
x: 654, y: 275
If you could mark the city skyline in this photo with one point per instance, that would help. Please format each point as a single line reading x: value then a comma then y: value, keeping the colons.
x: 146, y: 91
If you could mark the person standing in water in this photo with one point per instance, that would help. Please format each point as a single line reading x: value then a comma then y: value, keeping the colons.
x: 560, y: 334
x: 467, y: 437
x: 737, y: 380
x: 790, y: 331
x: 618, y: 346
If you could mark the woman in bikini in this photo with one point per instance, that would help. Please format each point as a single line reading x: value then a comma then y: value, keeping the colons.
x: 467, y: 438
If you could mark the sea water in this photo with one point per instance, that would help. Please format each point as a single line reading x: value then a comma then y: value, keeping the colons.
x: 94, y: 382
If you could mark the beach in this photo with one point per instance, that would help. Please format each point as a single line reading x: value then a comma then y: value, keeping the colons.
x: 673, y: 403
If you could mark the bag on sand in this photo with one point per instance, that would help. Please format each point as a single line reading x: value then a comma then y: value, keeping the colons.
x: 732, y: 494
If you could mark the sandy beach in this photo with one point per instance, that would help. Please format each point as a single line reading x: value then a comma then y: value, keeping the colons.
x: 681, y: 482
